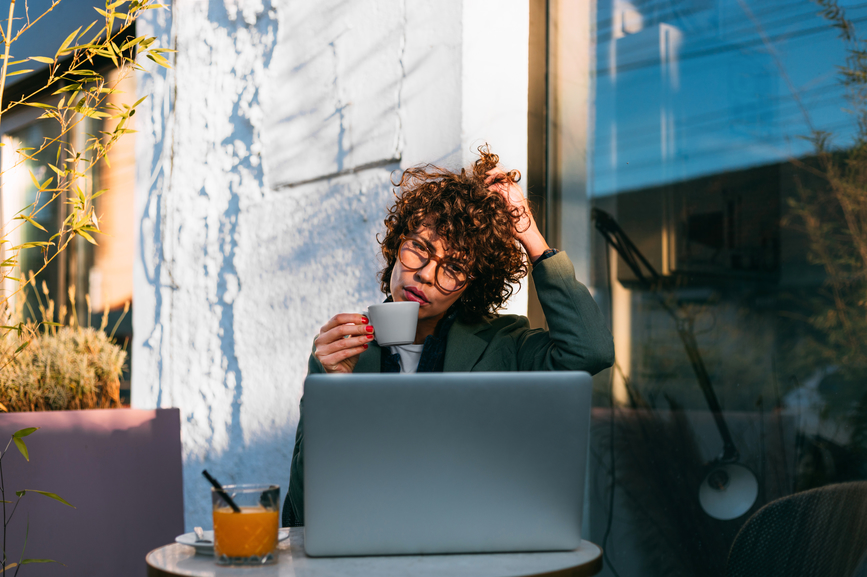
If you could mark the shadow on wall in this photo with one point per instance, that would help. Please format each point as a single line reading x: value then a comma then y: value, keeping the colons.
x: 265, y: 460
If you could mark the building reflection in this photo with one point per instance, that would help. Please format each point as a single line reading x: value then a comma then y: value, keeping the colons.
x: 700, y: 117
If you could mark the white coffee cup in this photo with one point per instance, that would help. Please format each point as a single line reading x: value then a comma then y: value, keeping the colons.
x: 394, y: 323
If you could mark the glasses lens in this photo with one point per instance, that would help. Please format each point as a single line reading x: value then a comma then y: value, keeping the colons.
x: 451, y: 277
x: 413, y: 254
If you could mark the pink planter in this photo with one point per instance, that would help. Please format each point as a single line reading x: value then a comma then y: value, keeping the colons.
x: 120, y: 468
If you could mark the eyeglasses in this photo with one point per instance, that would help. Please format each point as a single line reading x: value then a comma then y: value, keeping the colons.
x: 415, y: 255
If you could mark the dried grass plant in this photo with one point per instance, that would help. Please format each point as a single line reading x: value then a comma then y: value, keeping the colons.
x: 66, y: 365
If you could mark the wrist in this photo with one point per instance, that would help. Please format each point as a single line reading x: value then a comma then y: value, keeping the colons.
x: 533, y: 242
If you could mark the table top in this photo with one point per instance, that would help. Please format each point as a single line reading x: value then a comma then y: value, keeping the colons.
x: 181, y: 560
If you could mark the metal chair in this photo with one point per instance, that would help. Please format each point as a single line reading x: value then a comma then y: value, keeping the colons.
x: 820, y: 532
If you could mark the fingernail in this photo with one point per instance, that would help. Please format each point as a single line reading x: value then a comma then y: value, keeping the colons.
x: 369, y: 337
x: 365, y: 347
x: 364, y: 320
x: 369, y: 329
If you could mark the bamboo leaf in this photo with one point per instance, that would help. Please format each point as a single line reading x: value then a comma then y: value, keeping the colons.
x: 38, y: 105
x: 23, y: 449
x: 21, y: 348
x: 87, y: 29
x: 87, y: 237
x: 31, y: 221
x: 68, y: 41
x: 83, y: 72
x: 159, y: 60
x: 17, y: 72
x: 26, y: 561
x: 47, y: 494
x: 130, y: 43
x: 33, y: 244
x: 10, y: 566
x: 5, y: 410
x: 43, y: 59
x: 24, y: 432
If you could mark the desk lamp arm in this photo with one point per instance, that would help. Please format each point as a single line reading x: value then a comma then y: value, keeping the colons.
x: 649, y: 279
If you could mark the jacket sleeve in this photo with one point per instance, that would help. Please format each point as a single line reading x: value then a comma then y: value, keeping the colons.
x: 293, y: 506
x: 577, y: 338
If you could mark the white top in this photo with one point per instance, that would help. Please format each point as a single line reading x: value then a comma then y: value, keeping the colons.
x: 409, y: 356
x: 177, y: 559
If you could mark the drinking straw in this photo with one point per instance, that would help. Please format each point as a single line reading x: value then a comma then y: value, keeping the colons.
x: 221, y: 492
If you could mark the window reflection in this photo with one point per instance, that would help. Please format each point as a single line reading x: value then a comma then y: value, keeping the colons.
x: 700, y: 143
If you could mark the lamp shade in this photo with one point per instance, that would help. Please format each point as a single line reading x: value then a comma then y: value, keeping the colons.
x: 728, y: 491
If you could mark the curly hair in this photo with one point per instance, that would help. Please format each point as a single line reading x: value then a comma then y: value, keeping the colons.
x: 474, y: 221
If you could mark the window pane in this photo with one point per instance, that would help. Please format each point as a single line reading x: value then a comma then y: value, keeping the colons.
x: 739, y: 282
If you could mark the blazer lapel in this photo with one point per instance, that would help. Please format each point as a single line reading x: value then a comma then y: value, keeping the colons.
x: 369, y: 360
x: 465, y: 345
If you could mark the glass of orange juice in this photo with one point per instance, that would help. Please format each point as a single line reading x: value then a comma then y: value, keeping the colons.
x: 247, y: 536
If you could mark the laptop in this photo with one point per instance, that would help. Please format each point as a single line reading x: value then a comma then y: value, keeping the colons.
x: 444, y: 462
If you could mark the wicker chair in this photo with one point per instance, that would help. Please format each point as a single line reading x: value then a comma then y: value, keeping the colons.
x: 820, y: 532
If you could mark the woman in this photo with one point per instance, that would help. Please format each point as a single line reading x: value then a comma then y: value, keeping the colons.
x: 455, y: 244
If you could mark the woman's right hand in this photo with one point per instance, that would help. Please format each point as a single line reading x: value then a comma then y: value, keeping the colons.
x: 341, y: 340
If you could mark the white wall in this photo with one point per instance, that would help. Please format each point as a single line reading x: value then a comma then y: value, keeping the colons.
x: 264, y: 164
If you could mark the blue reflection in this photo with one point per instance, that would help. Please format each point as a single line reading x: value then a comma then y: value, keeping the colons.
x: 696, y: 87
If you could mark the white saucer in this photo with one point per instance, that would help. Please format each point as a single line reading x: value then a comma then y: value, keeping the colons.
x: 207, y: 547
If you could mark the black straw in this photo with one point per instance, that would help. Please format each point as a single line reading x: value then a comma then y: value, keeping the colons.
x: 221, y: 492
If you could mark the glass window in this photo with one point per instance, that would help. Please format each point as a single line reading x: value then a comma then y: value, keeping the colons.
x: 703, y: 162
x: 102, y: 272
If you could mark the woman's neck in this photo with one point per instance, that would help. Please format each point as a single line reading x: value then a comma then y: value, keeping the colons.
x: 426, y: 327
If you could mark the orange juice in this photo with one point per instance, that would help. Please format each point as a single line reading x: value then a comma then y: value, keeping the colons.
x: 253, y: 531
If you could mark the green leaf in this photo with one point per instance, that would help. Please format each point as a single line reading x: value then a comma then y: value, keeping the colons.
x: 38, y: 105
x: 23, y: 448
x: 159, y: 60
x: 86, y: 236
x: 21, y: 348
x: 26, y: 561
x: 86, y: 29
x: 24, y: 432
x: 8, y: 74
x: 130, y: 43
x: 68, y: 41
x: 30, y: 220
x: 46, y: 493
x: 43, y: 59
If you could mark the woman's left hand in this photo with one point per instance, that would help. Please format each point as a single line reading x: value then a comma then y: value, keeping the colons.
x: 526, y: 230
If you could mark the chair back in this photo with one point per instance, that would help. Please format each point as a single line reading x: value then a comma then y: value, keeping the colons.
x: 818, y: 532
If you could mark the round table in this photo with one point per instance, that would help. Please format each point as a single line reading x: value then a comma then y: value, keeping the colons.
x: 181, y: 560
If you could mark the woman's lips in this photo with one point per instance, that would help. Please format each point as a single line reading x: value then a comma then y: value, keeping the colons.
x: 413, y: 294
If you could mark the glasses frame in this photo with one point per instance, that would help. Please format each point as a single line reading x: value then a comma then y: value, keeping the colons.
x: 440, y: 260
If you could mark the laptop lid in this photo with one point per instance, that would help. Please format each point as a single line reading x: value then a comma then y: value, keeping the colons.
x: 444, y: 462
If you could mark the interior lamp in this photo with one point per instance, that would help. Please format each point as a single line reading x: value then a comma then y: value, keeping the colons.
x: 729, y: 489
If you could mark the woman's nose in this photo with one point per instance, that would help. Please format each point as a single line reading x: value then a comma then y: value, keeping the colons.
x: 428, y: 272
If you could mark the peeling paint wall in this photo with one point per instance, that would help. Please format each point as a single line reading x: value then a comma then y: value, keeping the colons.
x: 264, y: 158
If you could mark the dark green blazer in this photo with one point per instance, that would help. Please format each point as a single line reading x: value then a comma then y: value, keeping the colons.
x: 577, y: 339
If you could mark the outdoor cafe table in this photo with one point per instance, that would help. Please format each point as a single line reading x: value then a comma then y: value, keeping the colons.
x: 177, y: 559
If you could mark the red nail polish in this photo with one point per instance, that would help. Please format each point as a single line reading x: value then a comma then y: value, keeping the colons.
x: 365, y: 347
x: 369, y: 337
x: 364, y: 320
x: 369, y: 329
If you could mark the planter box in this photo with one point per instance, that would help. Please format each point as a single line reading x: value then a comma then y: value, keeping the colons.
x: 120, y: 468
